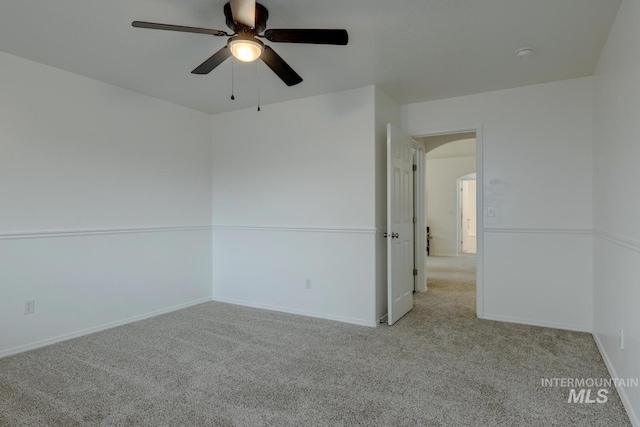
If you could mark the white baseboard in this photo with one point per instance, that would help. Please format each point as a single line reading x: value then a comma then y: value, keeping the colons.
x: 343, y: 319
x: 621, y: 390
x: 76, y: 334
x: 542, y: 323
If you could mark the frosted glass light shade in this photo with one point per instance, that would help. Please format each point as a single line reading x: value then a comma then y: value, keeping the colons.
x: 246, y: 50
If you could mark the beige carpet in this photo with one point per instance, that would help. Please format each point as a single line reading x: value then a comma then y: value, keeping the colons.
x: 223, y: 365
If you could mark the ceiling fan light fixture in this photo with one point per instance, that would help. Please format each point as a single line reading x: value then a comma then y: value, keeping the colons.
x: 244, y: 44
x: 246, y: 49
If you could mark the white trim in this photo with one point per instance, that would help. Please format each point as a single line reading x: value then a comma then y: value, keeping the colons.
x: 76, y: 334
x: 480, y: 220
x: 343, y: 319
x: 420, y: 234
x: 619, y: 240
x: 622, y: 392
x: 418, y: 145
x: 446, y: 130
x: 94, y: 232
x: 299, y: 229
x: 538, y: 230
x: 542, y: 323
x: 479, y: 130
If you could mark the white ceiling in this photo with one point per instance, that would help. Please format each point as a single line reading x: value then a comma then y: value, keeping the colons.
x: 415, y: 50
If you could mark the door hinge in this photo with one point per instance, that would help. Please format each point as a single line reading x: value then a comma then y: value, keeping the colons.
x: 415, y: 168
x: 415, y: 271
x: 415, y: 220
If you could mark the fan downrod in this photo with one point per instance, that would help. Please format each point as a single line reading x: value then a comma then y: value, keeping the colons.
x: 262, y: 15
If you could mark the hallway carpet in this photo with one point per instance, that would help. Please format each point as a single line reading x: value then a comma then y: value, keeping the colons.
x: 222, y: 365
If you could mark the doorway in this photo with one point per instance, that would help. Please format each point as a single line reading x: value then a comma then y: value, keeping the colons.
x: 467, y: 230
x: 446, y: 232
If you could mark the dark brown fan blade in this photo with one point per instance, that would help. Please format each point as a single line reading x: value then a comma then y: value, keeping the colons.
x: 281, y: 68
x: 155, y: 26
x: 339, y: 37
x: 216, y: 59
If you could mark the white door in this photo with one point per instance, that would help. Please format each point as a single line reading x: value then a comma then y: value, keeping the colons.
x: 468, y: 217
x: 399, y: 223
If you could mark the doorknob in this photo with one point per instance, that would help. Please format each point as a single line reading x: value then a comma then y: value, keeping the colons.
x: 394, y: 235
x: 385, y: 235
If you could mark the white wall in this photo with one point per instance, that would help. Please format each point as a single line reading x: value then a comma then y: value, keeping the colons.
x: 294, y: 199
x: 617, y: 201
x: 106, y: 204
x: 443, y: 217
x: 537, y: 167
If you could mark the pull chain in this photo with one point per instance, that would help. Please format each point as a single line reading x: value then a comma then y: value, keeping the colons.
x: 258, y: 85
x: 233, y: 60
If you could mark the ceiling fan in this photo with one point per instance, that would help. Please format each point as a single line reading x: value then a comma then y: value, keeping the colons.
x: 248, y: 20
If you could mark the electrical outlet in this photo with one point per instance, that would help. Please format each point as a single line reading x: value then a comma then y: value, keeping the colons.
x: 621, y: 339
x: 308, y: 284
x: 29, y: 306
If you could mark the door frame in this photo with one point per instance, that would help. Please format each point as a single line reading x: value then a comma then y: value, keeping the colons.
x: 421, y: 211
x: 419, y: 208
x: 459, y: 181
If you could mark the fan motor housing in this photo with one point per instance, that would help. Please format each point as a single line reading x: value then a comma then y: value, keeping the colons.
x: 262, y: 14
